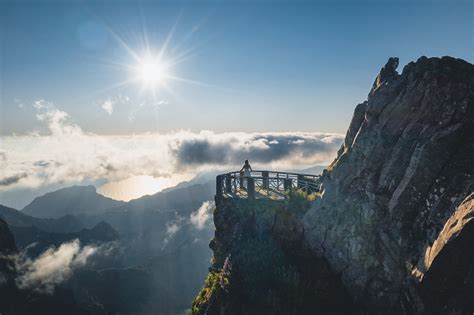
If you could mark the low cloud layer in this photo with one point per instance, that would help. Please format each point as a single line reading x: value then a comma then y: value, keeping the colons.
x: 66, y: 154
x: 202, y: 216
x: 207, y: 148
x: 52, y: 267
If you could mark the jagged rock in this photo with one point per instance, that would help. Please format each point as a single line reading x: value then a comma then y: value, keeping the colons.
x: 405, y: 167
x: 389, y: 71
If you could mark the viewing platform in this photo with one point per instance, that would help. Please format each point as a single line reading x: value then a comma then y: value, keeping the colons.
x: 265, y: 185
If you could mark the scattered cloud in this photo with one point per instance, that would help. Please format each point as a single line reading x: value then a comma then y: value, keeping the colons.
x: 111, y: 103
x: 108, y: 106
x: 59, y: 123
x: 52, y: 267
x: 7, y: 181
x: 19, y: 103
x: 172, y: 227
x: 201, y: 216
x: 66, y: 154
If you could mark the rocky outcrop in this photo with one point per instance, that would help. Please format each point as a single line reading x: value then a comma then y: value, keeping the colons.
x: 397, y: 195
x: 448, y: 283
x: 261, y: 264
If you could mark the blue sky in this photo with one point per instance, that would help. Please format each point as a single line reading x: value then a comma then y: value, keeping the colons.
x: 270, y: 81
x: 263, y: 65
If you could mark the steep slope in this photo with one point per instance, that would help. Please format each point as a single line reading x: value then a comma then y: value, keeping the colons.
x: 27, y: 301
x: 10, y: 294
x: 404, y: 168
x: 7, y: 241
x: 64, y: 224
x: 261, y: 264
x: 24, y: 236
x: 71, y: 200
x: 182, y: 199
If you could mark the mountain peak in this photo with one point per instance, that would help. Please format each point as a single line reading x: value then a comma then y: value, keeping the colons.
x: 70, y: 200
x: 387, y: 72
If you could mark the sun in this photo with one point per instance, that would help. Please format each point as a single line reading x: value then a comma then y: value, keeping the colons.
x: 151, y: 72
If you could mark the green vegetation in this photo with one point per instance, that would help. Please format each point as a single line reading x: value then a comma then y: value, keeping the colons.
x: 251, y: 272
x: 211, y: 289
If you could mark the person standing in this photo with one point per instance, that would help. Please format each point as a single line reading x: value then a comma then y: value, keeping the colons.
x: 245, y: 172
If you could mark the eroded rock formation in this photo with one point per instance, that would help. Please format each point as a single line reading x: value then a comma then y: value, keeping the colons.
x: 397, y: 193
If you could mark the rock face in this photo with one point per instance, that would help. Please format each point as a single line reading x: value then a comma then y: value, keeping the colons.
x: 261, y: 264
x: 399, y: 194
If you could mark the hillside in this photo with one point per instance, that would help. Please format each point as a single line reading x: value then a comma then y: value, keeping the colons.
x: 63, y: 224
x: 70, y: 200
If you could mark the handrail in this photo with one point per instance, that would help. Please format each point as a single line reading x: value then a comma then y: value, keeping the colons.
x: 265, y: 184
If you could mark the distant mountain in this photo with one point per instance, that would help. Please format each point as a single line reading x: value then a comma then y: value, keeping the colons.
x: 71, y: 200
x: 7, y: 241
x: 183, y: 199
x: 75, y: 200
x: 26, y: 301
x: 159, y: 257
x: 315, y: 170
x: 25, y: 236
x: 64, y: 224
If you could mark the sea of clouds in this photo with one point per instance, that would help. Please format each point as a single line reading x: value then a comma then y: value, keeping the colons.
x: 65, y: 153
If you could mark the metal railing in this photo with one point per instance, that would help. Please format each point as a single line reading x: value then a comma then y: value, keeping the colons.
x: 265, y: 184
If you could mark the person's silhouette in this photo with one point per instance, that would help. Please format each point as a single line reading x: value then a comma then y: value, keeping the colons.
x: 246, y: 169
x: 245, y: 173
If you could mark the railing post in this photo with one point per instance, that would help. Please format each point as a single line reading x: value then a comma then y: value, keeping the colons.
x: 218, y: 185
x: 250, y: 188
x: 241, y: 180
x: 287, y: 182
x: 301, y: 182
x: 266, y: 181
x: 228, y: 185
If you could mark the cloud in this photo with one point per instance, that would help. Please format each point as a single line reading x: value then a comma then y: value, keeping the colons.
x: 7, y: 181
x: 59, y: 122
x: 201, y: 216
x: 19, y: 103
x: 172, y: 227
x: 66, y: 154
x: 110, y: 103
x: 208, y: 148
x: 52, y: 267
x: 108, y: 106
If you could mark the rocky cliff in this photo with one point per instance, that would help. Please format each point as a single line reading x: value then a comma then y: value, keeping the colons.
x: 400, y: 183
x: 262, y: 265
x: 393, y: 220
